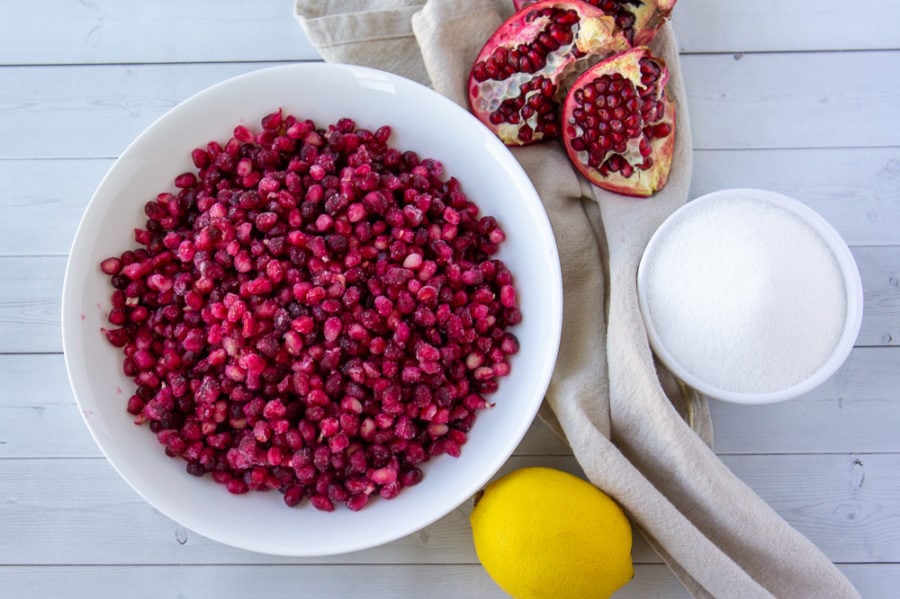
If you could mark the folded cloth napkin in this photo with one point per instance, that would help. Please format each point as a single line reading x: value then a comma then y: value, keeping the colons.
x: 636, y: 433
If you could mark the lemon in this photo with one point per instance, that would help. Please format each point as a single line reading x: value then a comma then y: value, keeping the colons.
x: 542, y: 533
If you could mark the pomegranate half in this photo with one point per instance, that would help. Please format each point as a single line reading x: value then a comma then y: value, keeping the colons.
x: 514, y: 84
x: 619, y: 123
x: 638, y: 19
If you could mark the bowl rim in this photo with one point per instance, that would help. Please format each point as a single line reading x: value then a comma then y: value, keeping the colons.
x: 849, y: 274
x: 551, y: 321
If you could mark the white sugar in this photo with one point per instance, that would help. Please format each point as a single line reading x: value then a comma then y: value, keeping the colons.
x: 745, y: 295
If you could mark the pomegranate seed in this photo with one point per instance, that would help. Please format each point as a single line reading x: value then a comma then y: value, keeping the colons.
x: 357, y: 502
x: 293, y: 495
x: 391, y: 490
x: 111, y: 266
x: 332, y: 328
x: 135, y: 405
x: 451, y: 448
x: 322, y: 502
x: 383, y: 476
x: 185, y: 180
x: 329, y: 426
x: 237, y: 486
x: 243, y: 134
x: 508, y: 296
x: 292, y: 333
x: 411, y: 477
x: 116, y: 337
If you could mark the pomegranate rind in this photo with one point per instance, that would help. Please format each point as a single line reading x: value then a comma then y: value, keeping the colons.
x: 649, y: 16
x: 596, y: 36
x: 641, y: 183
x: 649, y: 19
x: 666, y: 6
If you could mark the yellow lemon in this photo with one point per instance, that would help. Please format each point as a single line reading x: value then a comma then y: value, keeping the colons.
x: 545, y: 534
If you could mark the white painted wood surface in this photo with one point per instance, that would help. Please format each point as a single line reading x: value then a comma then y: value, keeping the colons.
x: 799, y: 97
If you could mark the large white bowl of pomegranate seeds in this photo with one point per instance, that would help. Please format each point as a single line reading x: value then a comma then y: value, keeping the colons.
x: 311, y: 309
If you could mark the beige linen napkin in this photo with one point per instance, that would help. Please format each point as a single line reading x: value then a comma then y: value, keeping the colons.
x: 634, y: 431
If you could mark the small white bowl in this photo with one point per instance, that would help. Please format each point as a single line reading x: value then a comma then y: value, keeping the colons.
x: 750, y: 296
x: 423, y: 121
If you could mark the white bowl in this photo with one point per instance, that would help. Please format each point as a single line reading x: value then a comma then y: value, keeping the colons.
x: 422, y: 121
x: 774, y: 320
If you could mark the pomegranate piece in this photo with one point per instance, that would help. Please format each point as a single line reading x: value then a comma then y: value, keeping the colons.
x: 301, y: 310
x: 640, y: 20
x: 514, y: 84
x: 619, y: 123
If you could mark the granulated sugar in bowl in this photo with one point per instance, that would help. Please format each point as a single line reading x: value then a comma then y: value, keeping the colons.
x: 750, y: 296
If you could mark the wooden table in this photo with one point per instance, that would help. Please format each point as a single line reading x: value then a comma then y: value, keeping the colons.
x: 798, y: 97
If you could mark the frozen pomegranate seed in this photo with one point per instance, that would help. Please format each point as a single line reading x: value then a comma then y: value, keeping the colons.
x: 351, y: 405
x: 185, y: 180
x: 237, y: 486
x: 293, y: 343
x: 383, y: 476
x: 322, y: 502
x: 474, y: 360
x: 243, y: 134
x: 436, y: 430
x: 405, y: 428
x: 451, y: 448
x: 391, y: 490
x: 135, y: 405
x: 329, y: 426
x: 508, y: 296
x: 265, y: 221
x: 483, y: 373
x: 313, y: 311
x: 474, y: 402
x: 274, y: 409
x: 367, y: 429
x: 359, y: 463
x: 411, y: 477
x: 412, y: 261
x: 293, y: 495
x: 337, y: 444
x: 357, y: 502
x: 158, y: 282
x: 200, y: 158
x: 332, y: 328
x: 111, y: 266
x: 116, y: 337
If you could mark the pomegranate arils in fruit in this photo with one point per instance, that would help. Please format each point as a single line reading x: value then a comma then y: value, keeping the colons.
x: 301, y: 310
x: 619, y: 123
x: 640, y: 20
x: 514, y: 84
